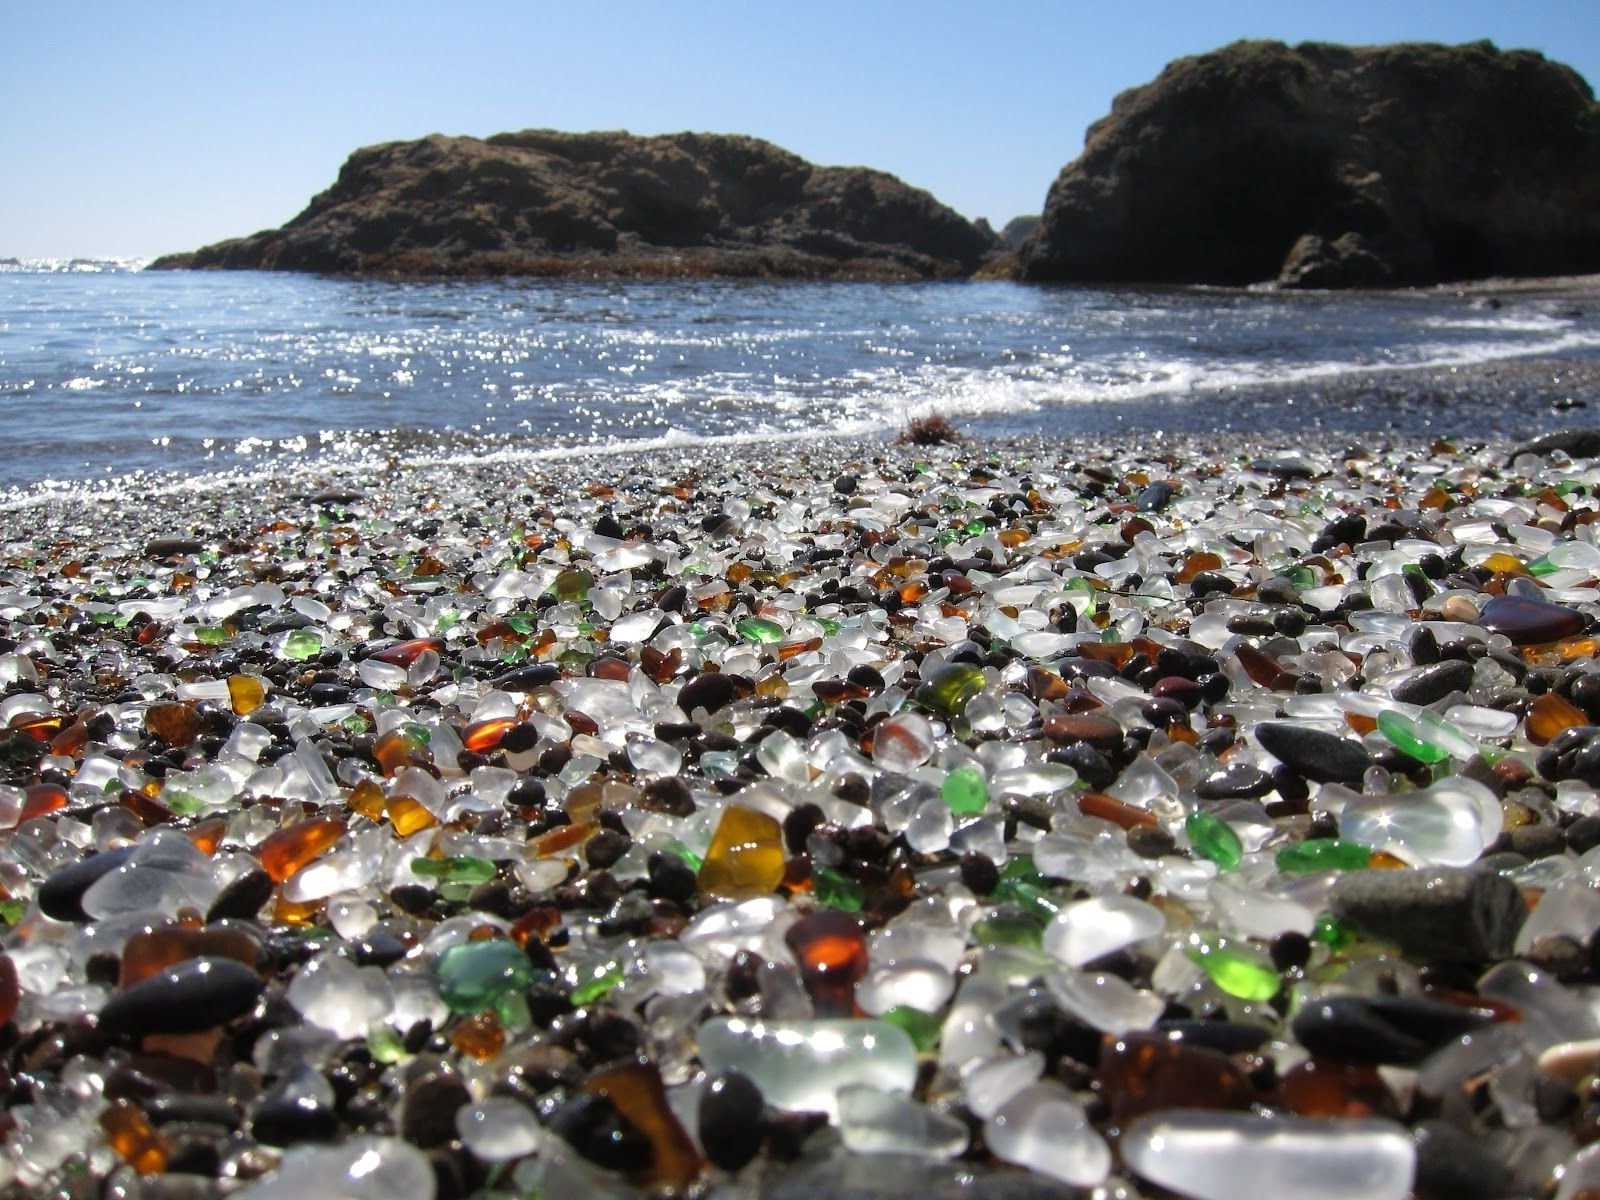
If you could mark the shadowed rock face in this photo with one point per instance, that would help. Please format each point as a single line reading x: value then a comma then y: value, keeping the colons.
x: 547, y: 203
x: 1330, y: 166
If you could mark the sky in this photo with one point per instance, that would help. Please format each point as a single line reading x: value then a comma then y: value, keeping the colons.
x: 135, y: 129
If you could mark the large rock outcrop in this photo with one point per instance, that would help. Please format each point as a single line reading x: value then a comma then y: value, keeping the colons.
x: 1331, y: 166
x: 548, y: 203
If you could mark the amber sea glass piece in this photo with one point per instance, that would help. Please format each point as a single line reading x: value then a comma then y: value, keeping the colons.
x: 1549, y: 714
x: 176, y: 724
x: 285, y: 851
x: 746, y: 854
x: 136, y: 1141
x: 1322, y: 1088
x: 151, y: 951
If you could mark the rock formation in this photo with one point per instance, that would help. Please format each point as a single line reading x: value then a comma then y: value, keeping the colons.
x: 547, y: 203
x: 1333, y: 166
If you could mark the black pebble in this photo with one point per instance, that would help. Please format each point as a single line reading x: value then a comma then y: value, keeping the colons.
x: 1396, y: 1030
x: 428, y: 1112
x: 61, y: 895
x: 1323, y: 757
x: 731, y: 1124
x: 1435, y: 682
x: 198, y: 994
x: 1449, y: 914
x: 244, y: 896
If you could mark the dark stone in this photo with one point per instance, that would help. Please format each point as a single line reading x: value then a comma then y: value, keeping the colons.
x: 527, y: 677
x: 1452, y: 1164
x: 1150, y: 841
x: 709, y: 690
x: 1225, y: 1037
x: 172, y: 547
x: 605, y: 847
x: 244, y: 896
x: 61, y: 895
x: 591, y: 1125
x: 1435, y: 682
x: 731, y: 1123
x: 1583, y: 834
x: 541, y: 202
x: 1574, y: 443
x: 428, y: 1112
x: 1446, y: 914
x: 671, y: 878
x: 1387, y: 1030
x: 283, y: 1118
x: 1324, y: 166
x: 198, y: 994
x: 1319, y: 756
x: 1236, y: 781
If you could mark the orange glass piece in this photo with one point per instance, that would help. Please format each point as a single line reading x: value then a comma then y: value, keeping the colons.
x: 912, y: 590
x: 175, y: 723
x: 400, y: 748
x: 610, y: 667
x: 1549, y: 715
x: 1502, y: 563
x: 1012, y: 538
x: 481, y: 737
x: 538, y: 922
x: 773, y: 686
x: 1098, y: 804
x: 1143, y: 1072
x: 479, y: 1036
x: 136, y: 1141
x: 1200, y: 560
x: 208, y: 835
x: 831, y: 950
x: 563, y: 837
x: 1574, y: 649
x: 246, y: 693
x: 403, y: 654
x: 1045, y: 684
x: 69, y: 743
x: 45, y: 728
x: 745, y: 857
x: 635, y: 1090
x: 835, y: 691
x: 42, y: 798
x: 290, y: 912
x: 957, y: 582
x: 285, y: 851
x: 1118, y: 654
x: 151, y: 951
x: 1322, y: 1088
x: 366, y: 798
x: 789, y: 649
x: 408, y: 815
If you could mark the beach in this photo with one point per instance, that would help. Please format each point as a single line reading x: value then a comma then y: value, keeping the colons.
x: 934, y: 819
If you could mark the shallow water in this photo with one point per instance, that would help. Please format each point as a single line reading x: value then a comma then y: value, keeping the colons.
x: 106, y: 371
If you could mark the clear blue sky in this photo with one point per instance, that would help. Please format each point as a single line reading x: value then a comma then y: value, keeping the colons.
x: 139, y: 128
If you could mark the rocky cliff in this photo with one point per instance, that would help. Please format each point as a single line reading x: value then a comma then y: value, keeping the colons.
x: 548, y: 203
x: 1331, y: 166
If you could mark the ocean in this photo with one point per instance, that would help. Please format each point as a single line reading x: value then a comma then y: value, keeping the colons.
x: 110, y: 374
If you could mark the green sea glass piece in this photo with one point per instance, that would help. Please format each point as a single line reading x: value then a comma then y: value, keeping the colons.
x: 760, y: 630
x: 302, y: 644
x: 1214, y: 839
x: 1322, y: 854
x: 458, y: 869
x: 965, y: 790
x: 572, y: 584
x: 474, y: 975
x: 922, y: 1027
x: 598, y: 981
x: 1237, y: 972
x: 837, y: 890
x: 1410, y: 738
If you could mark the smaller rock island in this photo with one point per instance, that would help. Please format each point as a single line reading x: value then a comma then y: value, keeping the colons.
x: 547, y: 203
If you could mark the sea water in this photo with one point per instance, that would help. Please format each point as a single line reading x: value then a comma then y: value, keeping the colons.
x: 108, y: 372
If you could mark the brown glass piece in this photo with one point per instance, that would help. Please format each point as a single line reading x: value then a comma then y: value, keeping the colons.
x: 635, y: 1090
x: 831, y: 951
x: 1143, y: 1072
